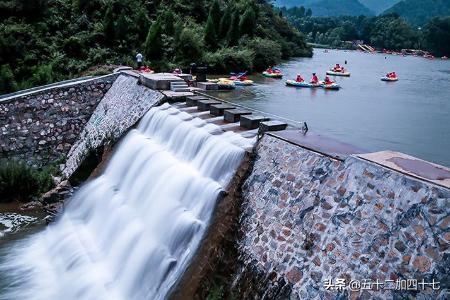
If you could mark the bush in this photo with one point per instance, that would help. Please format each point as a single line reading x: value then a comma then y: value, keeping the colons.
x: 230, y: 59
x: 7, y: 82
x: 266, y: 52
x: 19, y: 182
x: 190, y: 45
x: 43, y: 74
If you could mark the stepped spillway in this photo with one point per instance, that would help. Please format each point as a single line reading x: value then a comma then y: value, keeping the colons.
x: 131, y: 232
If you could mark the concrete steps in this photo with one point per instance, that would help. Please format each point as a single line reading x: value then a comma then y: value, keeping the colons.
x: 228, y: 116
x: 179, y: 86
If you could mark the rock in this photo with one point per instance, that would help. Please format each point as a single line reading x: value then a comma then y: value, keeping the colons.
x: 400, y: 246
x: 294, y: 275
x: 320, y: 227
x: 422, y: 263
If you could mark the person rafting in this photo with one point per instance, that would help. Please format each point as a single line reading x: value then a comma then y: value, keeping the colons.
x: 391, y: 75
x: 327, y: 80
x: 337, y: 68
x: 299, y: 78
x: 269, y: 70
x: 314, y: 79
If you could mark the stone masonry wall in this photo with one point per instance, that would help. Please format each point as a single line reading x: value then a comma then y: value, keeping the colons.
x: 42, y: 126
x: 308, y: 218
x: 123, y: 105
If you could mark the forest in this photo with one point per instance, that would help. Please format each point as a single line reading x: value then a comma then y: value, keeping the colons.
x: 387, y: 31
x: 44, y: 41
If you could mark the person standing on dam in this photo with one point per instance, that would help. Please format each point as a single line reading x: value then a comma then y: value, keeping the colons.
x: 139, y: 58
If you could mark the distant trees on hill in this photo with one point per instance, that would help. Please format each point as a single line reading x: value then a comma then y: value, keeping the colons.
x: 43, y: 41
x: 388, y: 31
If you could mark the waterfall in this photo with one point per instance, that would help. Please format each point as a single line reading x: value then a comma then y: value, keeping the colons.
x: 131, y: 232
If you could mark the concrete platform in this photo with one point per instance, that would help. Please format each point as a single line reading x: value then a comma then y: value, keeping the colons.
x: 234, y: 115
x: 176, y: 96
x: 158, y: 81
x: 252, y: 121
x: 192, y: 100
x: 185, y: 77
x: 272, y: 126
x: 318, y: 143
x: 410, y: 165
x: 204, y: 105
x: 208, y: 86
x: 217, y: 110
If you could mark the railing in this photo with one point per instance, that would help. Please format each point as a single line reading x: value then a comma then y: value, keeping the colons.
x: 291, y: 122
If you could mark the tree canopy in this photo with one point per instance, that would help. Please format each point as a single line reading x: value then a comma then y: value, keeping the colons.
x: 42, y: 41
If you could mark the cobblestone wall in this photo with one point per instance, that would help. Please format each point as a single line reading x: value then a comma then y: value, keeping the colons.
x: 308, y: 218
x: 124, y: 104
x: 42, y: 126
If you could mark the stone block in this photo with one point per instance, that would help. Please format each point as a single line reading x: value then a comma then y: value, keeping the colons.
x: 252, y: 121
x: 234, y: 115
x: 208, y: 86
x: 158, y: 81
x: 204, y: 105
x: 192, y: 100
x: 273, y: 126
x: 218, y: 109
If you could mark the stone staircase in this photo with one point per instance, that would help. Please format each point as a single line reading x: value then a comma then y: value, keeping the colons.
x: 229, y: 114
x: 179, y: 86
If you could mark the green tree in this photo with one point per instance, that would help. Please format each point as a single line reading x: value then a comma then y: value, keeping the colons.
x: 233, y: 32
x: 108, y: 25
x: 437, y: 36
x: 247, y: 22
x: 190, y: 45
x: 210, y: 33
x: 266, y: 52
x: 122, y: 27
x: 225, y: 22
x: 7, y: 81
x: 215, y: 13
x: 143, y: 23
x: 168, y: 22
x: 153, y: 43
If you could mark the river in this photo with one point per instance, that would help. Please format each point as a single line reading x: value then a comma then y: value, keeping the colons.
x: 410, y: 116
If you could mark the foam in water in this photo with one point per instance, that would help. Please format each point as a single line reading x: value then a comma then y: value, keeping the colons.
x: 130, y: 233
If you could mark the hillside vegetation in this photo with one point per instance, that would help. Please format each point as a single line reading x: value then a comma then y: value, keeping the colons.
x: 43, y: 41
x: 420, y: 12
x: 329, y: 7
x: 389, y: 31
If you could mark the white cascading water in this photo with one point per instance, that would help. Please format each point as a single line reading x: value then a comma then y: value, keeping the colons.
x: 130, y: 233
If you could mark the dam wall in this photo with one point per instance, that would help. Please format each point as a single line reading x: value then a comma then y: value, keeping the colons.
x: 316, y: 227
x: 122, y: 106
x: 41, y: 126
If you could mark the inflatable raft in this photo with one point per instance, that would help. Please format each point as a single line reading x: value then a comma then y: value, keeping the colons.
x: 333, y: 86
x: 243, y: 82
x: 223, y: 83
x: 226, y: 84
x: 302, y: 84
x: 333, y: 73
x: 272, y: 75
x: 389, y: 79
